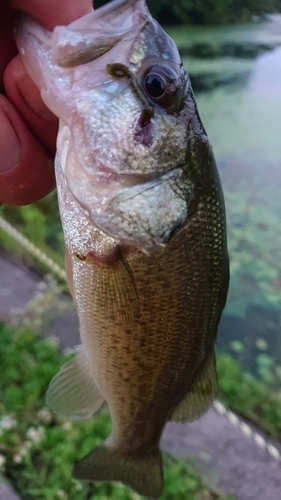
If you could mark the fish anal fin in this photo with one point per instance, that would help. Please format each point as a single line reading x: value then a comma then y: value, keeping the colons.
x: 201, y: 395
x: 72, y: 392
x: 143, y: 474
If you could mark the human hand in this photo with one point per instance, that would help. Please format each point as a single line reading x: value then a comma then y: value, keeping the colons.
x: 27, y: 128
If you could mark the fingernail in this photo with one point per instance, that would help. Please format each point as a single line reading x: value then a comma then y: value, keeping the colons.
x: 31, y: 95
x: 9, y: 145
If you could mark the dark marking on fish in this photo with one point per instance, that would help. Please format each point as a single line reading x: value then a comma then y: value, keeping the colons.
x: 144, y: 128
x: 118, y: 70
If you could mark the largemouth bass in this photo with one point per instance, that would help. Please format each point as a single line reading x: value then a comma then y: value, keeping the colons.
x: 144, y: 224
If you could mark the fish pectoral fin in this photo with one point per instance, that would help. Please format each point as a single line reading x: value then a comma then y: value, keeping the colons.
x: 143, y: 474
x: 72, y: 392
x: 199, y: 399
x: 117, y: 297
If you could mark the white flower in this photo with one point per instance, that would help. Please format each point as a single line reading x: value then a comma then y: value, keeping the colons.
x: 69, y: 350
x: 45, y: 415
x: 62, y: 494
x: 25, y: 447
x: 7, y: 423
x: 67, y: 426
x: 2, y: 460
x: 17, y: 459
x: 35, y: 434
x: 53, y: 340
x: 79, y: 486
x: 22, y: 452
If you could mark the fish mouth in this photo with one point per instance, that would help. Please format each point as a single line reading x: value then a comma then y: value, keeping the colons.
x: 137, y: 184
x: 127, y: 180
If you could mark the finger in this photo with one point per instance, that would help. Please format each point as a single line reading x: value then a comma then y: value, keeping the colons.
x: 25, y: 96
x: 7, y: 44
x: 54, y: 12
x: 26, y: 170
x: 48, y: 14
x: 19, y: 87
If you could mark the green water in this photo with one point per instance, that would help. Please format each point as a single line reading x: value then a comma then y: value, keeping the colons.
x: 236, y: 73
x: 243, y: 118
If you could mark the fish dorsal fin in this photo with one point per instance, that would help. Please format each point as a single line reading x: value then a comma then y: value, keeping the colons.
x: 199, y: 399
x: 72, y: 392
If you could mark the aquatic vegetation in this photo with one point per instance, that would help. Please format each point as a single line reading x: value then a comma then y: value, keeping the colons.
x: 253, y: 399
x: 254, y: 229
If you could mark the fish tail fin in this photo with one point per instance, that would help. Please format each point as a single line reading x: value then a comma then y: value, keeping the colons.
x: 142, y: 474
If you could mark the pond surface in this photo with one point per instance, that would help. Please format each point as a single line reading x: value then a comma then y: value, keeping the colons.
x: 236, y: 75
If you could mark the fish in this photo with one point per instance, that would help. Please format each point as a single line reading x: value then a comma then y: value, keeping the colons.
x: 143, y: 216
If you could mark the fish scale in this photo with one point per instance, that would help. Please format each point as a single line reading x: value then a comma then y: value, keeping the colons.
x: 144, y: 224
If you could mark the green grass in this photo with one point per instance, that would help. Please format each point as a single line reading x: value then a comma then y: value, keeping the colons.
x: 41, y: 224
x: 253, y: 399
x: 37, y: 449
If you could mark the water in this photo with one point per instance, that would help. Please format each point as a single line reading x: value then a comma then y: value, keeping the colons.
x: 236, y: 74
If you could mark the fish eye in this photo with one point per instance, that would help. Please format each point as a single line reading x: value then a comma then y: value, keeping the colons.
x: 155, y: 85
x: 162, y: 85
